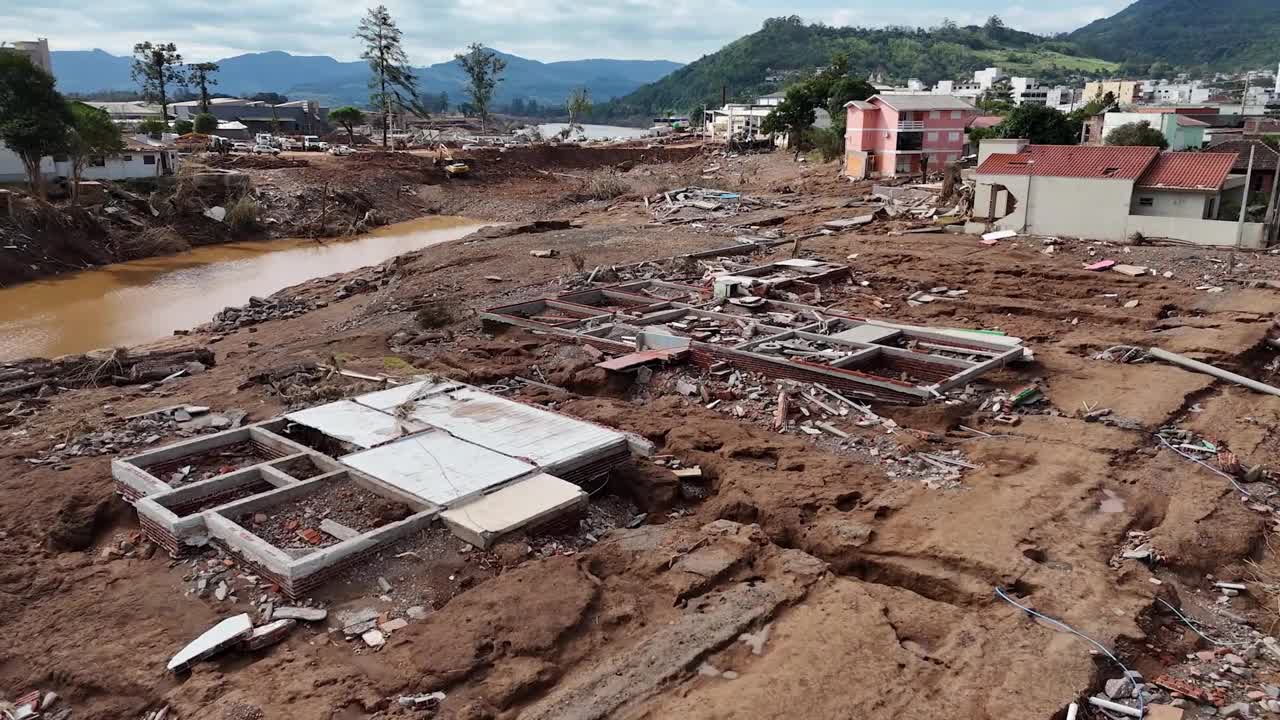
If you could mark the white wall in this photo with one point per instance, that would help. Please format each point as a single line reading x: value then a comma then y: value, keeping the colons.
x: 1072, y: 207
x: 1200, y: 232
x: 116, y: 168
x: 12, y: 170
x: 1171, y: 204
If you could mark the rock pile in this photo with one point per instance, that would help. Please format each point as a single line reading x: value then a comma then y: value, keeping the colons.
x: 260, y: 310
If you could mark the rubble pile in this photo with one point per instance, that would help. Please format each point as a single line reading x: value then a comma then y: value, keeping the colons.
x: 1215, y: 455
x: 181, y: 421
x: 302, y: 384
x: 788, y: 406
x: 335, y: 512
x: 695, y: 204
x: 260, y: 310
x: 1231, y: 677
x: 120, y: 366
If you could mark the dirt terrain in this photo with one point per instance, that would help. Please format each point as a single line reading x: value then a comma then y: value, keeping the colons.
x: 812, y: 575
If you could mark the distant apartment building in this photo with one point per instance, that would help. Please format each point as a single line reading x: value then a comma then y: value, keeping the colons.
x: 900, y: 135
x: 1026, y: 91
x: 1126, y: 92
x: 960, y: 88
x: 988, y: 77
x: 36, y: 50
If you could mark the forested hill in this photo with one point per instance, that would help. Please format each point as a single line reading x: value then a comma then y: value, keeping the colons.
x: 786, y: 49
x: 1207, y: 34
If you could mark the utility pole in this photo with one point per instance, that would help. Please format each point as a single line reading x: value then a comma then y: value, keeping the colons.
x: 1244, y: 209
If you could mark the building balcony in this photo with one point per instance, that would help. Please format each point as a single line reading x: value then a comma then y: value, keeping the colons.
x: 910, y: 125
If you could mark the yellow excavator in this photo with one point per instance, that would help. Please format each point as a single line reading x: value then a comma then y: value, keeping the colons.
x: 452, y: 168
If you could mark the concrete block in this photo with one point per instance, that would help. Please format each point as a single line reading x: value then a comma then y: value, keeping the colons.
x: 527, y: 503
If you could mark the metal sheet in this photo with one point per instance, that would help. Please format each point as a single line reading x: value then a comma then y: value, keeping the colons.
x: 356, y: 424
x: 437, y: 467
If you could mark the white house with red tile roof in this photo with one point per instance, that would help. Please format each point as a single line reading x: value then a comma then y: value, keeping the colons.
x: 1111, y: 193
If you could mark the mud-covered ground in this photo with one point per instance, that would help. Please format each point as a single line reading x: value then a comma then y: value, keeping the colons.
x: 813, y: 580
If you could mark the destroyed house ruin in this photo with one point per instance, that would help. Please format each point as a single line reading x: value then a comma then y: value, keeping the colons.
x: 731, y: 324
x: 304, y: 496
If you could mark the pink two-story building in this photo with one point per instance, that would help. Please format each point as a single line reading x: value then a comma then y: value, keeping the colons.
x: 889, y: 135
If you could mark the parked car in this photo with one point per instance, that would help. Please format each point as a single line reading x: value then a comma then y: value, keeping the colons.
x: 311, y: 142
x: 293, y: 144
x: 265, y: 150
x: 241, y: 147
x: 340, y: 150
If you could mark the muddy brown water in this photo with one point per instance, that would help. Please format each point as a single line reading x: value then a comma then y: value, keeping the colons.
x: 144, y: 300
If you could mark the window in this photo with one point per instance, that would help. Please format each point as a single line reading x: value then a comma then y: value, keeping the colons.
x: 127, y: 158
x: 955, y: 114
x: 953, y: 137
x: 1147, y: 201
x: 148, y: 159
x: 98, y: 161
x: 935, y: 114
x: 933, y: 137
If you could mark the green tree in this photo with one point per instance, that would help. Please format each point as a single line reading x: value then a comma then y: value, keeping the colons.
x: 34, y: 118
x: 157, y: 67
x: 205, y: 123
x: 484, y: 69
x: 182, y: 127
x: 202, y: 77
x: 152, y: 128
x: 842, y: 92
x: 578, y: 104
x: 442, y: 105
x: 997, y: 99
x: 1040, y: 124
x: 92, y: 134
x: 1139, y: 133
x: 348, y: 117
x: 793, y: 115
x: 392, y: 82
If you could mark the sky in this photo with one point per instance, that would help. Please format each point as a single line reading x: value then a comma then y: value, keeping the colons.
x: 544, y: 30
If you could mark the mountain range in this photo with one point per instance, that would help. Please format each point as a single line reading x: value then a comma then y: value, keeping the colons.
x: 339, y: 83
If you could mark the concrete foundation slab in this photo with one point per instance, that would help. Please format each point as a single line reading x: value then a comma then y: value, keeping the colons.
x: 438, y: 467
x: 355, y: 424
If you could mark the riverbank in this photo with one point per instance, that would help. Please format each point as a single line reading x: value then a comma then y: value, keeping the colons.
x: 307, y: 195
x: 786, y: 557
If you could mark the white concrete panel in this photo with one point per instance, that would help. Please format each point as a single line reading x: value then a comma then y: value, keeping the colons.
x: 437, y: 467
x: 526, y: 502
x: 391, y: 398
x: 521, y: 431
x: 355, y: 424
